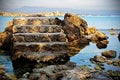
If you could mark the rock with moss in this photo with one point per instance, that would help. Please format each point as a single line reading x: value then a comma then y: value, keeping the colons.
x: 115, y: 75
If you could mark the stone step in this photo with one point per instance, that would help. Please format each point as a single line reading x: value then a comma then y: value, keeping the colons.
x: 33, y: 20
x: 41, y: 56
x: 39, y: 37
x: 37, y: 29
x: 39, y: 46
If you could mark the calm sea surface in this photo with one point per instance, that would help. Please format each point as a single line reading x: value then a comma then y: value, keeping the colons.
x: 82, y: 58
x: 3, y: 21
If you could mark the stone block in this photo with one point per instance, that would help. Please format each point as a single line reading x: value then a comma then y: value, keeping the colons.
x: 37, y: 29
x: 39, y: 37
x: 40, y: 47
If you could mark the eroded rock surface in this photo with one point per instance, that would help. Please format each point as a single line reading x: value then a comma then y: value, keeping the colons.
x: 35, y: 38
x: 109, y: 54
x: 59, y: 72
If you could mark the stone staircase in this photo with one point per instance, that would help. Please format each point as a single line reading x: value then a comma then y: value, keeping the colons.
x: 39, y: 39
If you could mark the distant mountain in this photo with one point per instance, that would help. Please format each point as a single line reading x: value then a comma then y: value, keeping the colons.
x: 28, y: 9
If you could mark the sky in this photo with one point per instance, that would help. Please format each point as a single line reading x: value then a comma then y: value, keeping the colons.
x: 73, y: 4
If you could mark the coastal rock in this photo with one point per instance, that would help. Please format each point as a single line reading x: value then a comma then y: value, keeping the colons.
x: 102, y: 44
x: 98, y: 36
x: 9, y: 27
x: 100, y: 59
x: 74, y: 27
x: 59, y: 72
x: 91, y: 30
x: 100, y: 39
x: 77, y: 74
x: 119, y: 36
x: 5, y: 38
x: 76, y: 21
x: 109, y: 54
x: 39, y: 39
x: 116, y: 62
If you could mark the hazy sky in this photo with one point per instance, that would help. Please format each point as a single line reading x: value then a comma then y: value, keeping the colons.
x: 74, y: 4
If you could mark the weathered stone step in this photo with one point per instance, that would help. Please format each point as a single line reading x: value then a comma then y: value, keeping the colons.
x: 39, y: 37
x: 39, y: 47
x: 37, y: 29
x: 33, y: 20
x: 41, y: 56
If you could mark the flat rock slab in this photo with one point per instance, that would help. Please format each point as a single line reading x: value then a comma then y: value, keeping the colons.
x: 41, y: 56
x: 39, y: 47
x: 37, y: 29
x: 39, y: 37
x: 33, y: 20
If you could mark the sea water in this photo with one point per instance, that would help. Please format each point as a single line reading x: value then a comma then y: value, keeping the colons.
x: 83, y: 57
x: 103, y: 23
x: 3, y: 22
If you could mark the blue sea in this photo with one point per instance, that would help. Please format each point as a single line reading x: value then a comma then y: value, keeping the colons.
x: 100, y: 22
x: 103, y: 23
x: 3, y: 22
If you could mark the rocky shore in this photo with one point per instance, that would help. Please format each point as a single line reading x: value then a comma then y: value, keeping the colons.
x: 41, y: 48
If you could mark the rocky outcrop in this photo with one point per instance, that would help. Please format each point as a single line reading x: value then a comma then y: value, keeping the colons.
x: 42, y: 32
x: 77, y: 22
x: 109, y: 54
x: 36, y: 39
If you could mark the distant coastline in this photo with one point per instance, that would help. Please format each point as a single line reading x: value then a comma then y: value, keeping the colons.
x: 14, y: 14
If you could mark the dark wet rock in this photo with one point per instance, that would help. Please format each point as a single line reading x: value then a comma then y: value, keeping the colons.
x: 101, y: 45
x: 119, y: 36
x: 6, y: 38
x: 56, y: 72
x: 97, y: 58
x: 5, y: 41
x: 109, y: 54
x: 116, y: 62
x: 115, y: 75
x: 99, y: 75
x: 5, y: 76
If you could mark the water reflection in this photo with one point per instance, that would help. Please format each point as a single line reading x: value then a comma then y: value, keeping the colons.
x: 83, y: 57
